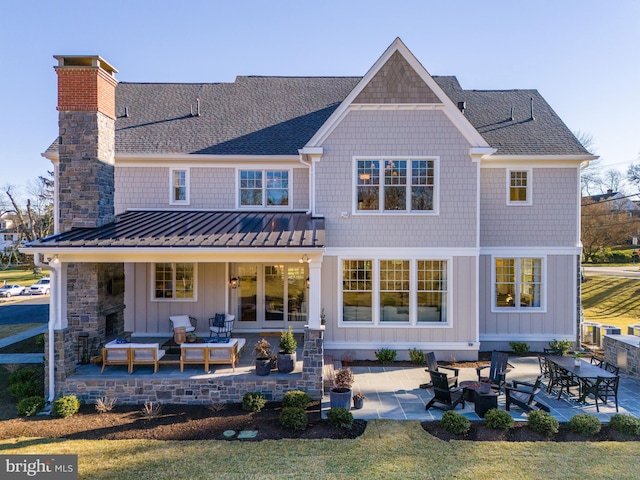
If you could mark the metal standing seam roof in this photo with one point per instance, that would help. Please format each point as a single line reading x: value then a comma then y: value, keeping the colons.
x: 279, y: 115
x: 196, y: 229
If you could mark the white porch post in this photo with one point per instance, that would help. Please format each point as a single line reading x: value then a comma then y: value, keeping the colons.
x: 314, y: 294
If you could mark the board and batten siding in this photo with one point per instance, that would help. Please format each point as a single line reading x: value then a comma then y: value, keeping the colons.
x: 145, y: 316
x: 463, y: 312
x: 551, y: 219
x: 559, y: 319
x: 210, y: 188
x: 416, y: 133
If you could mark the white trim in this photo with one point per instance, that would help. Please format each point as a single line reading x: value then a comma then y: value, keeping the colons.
x: 451, y: 111
x: 190, y: 159
x: 381, y: 186
x: 402, y: 253
x: 264, y: 206
x: 437, y: 346
x: 530, y: 251
x: 187, y: 186
x: 541, y: 161
x: 152, y: 282
x: 529, y: 201
x: 531, y: 337
x: 518, y: 309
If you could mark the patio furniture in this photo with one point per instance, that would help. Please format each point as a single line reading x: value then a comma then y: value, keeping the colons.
x: 189, y: 323
x: 583, y: 374
x: 602, y: 389
x: 447, y: 397
x: 544, y: 365
x: 210, y: 353
x: 432, y: 366
x: 523, y: 395
x: 115, y: 354
x: 598, y: 362
x: 145, y: 354
x: 609, y: 367
x: 222, y: 324
x: 497, y: 370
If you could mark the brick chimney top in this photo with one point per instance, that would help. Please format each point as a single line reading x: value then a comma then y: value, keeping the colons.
x: 86, y: 83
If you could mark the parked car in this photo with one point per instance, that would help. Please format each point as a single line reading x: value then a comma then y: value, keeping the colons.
x: 42, y: 286
x: 11, y: 290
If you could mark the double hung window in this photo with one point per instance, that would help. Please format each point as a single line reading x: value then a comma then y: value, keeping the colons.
x: 518, y: 283
x: 396, y: 185
x: 179, y: 187
x: 518, y: 187
x: 263, y: 188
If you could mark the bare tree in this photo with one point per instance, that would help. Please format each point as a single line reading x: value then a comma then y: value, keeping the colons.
x: 633, y: 175
x: 604, y: 226
x: 586, y: 139
x: 613, y: 180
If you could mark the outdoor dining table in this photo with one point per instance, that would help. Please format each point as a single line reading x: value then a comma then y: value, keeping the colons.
x: 583, y: 373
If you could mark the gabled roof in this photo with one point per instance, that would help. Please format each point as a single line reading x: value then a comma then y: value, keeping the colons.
x: 195, y: 229
x: 279, y: 115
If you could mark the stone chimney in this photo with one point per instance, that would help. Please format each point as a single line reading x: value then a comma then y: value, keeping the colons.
x: 86, y: 120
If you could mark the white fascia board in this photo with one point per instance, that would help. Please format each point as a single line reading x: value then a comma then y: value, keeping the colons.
x: 399, y: 253
x: 201, y: 161
x: 546, y: 161
x: 450, y: 110
x: 533, y: 251
x: 359, y: 345
x: 312, y: 151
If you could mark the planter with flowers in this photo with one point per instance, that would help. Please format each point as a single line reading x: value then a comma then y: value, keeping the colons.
x: 340, y: 394
x: 358, y: 400
x: 263, y: 357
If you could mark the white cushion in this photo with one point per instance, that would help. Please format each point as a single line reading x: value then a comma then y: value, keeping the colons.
x: 182, y: 321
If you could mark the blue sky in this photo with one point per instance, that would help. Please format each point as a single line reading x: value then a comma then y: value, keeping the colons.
x: 582, y: 55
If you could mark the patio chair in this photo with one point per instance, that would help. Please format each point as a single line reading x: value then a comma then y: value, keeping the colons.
x: 602, y: 389
x: 447, y: 398
x: 497, y: 370
x: 432, y: 366
x: 189, y: 323
x: 523, y: 395
x: 609, y: 367
x: 598, y: 362
x: 221, y: 325
x: 544, y: 365
x: 558, y: 376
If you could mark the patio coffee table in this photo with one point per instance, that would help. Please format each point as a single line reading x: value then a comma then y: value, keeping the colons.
x: 481, y: 395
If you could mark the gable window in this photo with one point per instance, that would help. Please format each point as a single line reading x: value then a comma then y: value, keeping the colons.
x: 395, y: 185
x: 518, y: 283
x: 174, y: 281
x: 518, y: 187
x: 263, y: 188
x: 407, y: 292
x: 179, y: 187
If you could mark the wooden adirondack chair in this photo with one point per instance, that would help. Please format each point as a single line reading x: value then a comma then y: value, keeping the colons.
x: 447, y: 398
x: 432, y: 366
x: 497, y: 370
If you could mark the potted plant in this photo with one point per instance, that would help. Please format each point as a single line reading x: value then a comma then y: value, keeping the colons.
x: 263, y: 357
x: 191, y: 337
x: 576, y: 358
x: 287, y: 352
x: 358, y: 400
x: 340, y: 394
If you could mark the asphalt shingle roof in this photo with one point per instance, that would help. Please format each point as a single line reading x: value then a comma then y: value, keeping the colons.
x: 196, y: 229
x: 279, y: 115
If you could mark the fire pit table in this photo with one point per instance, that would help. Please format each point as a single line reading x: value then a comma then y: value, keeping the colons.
x: 481, y: 395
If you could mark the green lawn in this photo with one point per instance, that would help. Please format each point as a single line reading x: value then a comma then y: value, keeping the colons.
x: 387, y: 450
x: 611, y: 300
x: 21, y: 276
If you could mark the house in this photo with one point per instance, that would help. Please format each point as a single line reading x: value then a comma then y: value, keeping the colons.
x: 618, y: 202
x: 409, y: 212
x: 8, y: 233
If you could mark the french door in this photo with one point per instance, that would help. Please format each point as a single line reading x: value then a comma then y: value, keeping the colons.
x: 271, y: 295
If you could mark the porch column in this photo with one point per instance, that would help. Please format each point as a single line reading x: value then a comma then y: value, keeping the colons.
x: 314, y: 294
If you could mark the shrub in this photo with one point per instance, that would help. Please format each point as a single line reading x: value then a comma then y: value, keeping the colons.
x: 584, y: 424
x: 625, y: 423
x: 151, y: 409
x: 455, y: 423
x: 294, y: 418
x: 561, y: 347
x: 296, y: 398
x: 519, y: 348
x: 386, y: 355
x: 253, y: 401
x: 66, y: 406
x: 288, y: 342
x: 416, y: 356
x: 340, y: 418
x: 543, y: 422
x: 495, y: 418
x: 27, y: 407
x: 23, y: 383
x: 343, y: 378
x: 105, y: 404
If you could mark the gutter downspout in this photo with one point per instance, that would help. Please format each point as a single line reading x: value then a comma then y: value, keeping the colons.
x: 311, y: 174
x: 53, y: 317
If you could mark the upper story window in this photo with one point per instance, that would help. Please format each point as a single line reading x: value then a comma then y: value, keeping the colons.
x: 518, y: 187
x: 179, y: 186
x: 264, y: 188
x: 396, y: 185
x: 518, y: 283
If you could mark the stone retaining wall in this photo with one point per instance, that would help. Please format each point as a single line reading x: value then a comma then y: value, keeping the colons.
x: 615, y: 344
